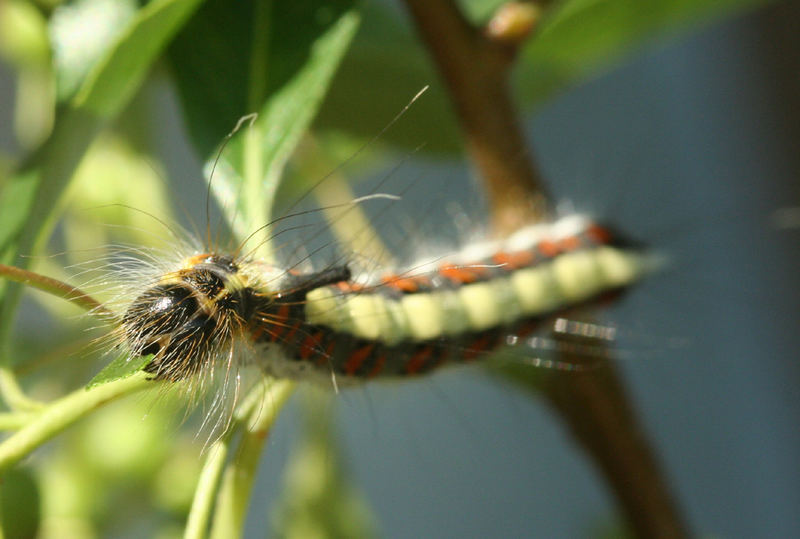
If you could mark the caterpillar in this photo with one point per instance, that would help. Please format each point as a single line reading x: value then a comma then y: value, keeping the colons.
x: 330, y: 325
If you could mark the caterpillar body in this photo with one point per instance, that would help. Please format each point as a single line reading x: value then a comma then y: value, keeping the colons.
x: 330, y: 325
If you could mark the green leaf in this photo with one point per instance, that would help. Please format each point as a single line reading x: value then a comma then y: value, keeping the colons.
x: 272, y: 58
x: 30, y: 196
x: 577, y: 40
x: 81, y: 33
x: 122, y: 367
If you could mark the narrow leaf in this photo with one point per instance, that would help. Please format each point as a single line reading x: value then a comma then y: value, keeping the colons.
x: 122, y: 367
x: 272, y: 58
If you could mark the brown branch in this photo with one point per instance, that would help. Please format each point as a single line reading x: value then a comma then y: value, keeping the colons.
x: 55, y: 287
x: 475, y: 66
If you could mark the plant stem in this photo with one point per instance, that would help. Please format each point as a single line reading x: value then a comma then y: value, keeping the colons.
x: 234, y: 495
x: 14, y: 397
x: 54, y: 287
x: 60, y: 414
x: 207, y: 485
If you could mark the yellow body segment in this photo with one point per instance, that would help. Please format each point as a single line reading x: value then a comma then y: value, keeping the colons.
x: 480, y: 305
x: 577, y: 275
x: 323, y: 309
x: 619, y: 267
x: 425, y: 316
x: 536, y: 289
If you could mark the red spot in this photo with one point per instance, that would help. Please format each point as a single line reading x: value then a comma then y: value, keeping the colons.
x: 292, y: 331
x: 344, y: 286
x: 323, y: 358
x: 422, y: 281
x: 476, y: 347
x: 548, y: 248
x: 279, y: 323
x: 310, y: 345
x: 357, y: 359
x: 418, y: 360
x: 378, y: 367
x: 257, y: 332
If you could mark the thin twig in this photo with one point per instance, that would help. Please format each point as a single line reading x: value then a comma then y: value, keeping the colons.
x: 234, y: 494
x: 14, y: 396
x: 206, y: 491
x: 54, y: 287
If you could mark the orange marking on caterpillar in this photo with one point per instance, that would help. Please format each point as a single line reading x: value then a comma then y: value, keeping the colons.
x: 598, y: 234
x: 458, y: 274
x: 357, y: 358
x: 512, y: 261
x: 404, y: 284
x: 195, y: 260
x: 418, y: 360
x: 293, y: 330
x: 347, y: 287
x: 422, y: 281
x: 571, y: 243
x: 548, y: 248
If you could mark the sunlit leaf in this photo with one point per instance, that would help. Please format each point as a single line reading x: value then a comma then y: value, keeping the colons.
x: 271, y: 58
x: 124, y: 365
x: 81, y: 33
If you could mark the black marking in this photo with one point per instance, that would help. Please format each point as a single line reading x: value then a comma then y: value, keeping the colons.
x: 205, y: 281
x: 171, y: 320
x: 298, y: 286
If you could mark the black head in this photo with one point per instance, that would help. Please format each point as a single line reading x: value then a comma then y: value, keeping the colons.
x: 184, y: 321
